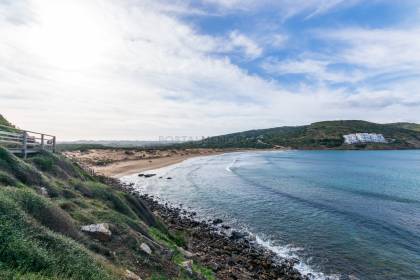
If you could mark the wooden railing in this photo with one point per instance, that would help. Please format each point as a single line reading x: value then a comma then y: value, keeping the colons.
x: 25, y: 142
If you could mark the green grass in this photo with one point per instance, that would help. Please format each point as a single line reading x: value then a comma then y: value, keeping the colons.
x: 40, y: 236
x: 207, y: 273
x: 22, y: 171
x: 29, y: 247
x: 7, y: 180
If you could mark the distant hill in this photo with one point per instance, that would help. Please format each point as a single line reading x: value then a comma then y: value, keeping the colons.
x: 406, y: 125
x: 109, y: 144
x: 319, y: 135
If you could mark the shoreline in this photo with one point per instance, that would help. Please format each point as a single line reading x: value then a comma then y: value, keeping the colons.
x: 230, y: 256
x: 119, y: 168
x: 124, y: 168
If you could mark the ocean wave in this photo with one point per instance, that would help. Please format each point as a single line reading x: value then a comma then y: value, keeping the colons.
x: 289, y: 252
x: 229, y: 167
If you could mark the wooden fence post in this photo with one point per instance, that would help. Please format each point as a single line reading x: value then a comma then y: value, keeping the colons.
x: 54, y: 144
x: 25, y: 145
x: 42, y: 141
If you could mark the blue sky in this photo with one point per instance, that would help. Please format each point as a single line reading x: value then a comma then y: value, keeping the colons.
x: 140, y: 69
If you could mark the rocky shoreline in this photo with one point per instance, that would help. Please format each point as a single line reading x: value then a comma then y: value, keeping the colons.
x: 230, y: 256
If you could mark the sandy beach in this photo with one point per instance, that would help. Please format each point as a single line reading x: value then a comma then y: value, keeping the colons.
x: 117, y: 163
x: 119, y: 169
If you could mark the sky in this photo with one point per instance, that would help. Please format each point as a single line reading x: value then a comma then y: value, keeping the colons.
x: 148, y: 69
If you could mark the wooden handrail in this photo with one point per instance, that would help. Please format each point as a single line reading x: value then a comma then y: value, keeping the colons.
x: 17, y: 129
x: 26, y: 140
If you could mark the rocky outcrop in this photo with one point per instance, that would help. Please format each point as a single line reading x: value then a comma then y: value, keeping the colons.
x: 145, y: 248
x: 98, y: 231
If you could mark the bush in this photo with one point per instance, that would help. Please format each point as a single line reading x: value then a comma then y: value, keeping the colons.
x: 110, y: 197
x: 20, y: 170
x: 44, y: 163
x: 46, y: 213
x: 7, y: 180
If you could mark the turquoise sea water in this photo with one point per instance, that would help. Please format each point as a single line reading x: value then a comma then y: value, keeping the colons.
x: 344, y: 214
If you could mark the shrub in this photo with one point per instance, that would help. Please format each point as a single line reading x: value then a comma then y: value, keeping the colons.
x: 7, y: 180
x: 44, y: 163
x: 21, y: 170
x: 46, y: 213
x: 110, y: 197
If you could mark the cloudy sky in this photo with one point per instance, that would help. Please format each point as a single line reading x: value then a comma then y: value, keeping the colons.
x: 140, y: 69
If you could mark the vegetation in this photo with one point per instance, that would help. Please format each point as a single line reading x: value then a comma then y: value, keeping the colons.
x: 45, y: 200
x: 79, y: 147
x: 320, y: 135
x: 405, y: 125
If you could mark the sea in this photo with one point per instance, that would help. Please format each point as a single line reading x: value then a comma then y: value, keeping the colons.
x: 343, y: 214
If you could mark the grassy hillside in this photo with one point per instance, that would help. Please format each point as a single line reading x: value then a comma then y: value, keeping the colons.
x: 46, y: 199
x: 405, y: 125
x: 320, y: 135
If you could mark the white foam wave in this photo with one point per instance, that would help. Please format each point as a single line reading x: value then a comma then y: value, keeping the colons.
x: 288, y: 252
x: 229, y: 167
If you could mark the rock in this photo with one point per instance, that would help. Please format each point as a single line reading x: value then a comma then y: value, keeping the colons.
x: 187, y: 265
x: 236, y: 235
x: 44, y: 191
x: 185, y: 253
x: 146, y: 248
x: 129, y: 275
x: 217, y: 221
x: 98, y: 231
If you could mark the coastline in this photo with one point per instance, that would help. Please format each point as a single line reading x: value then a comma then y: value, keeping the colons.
x: 116, y: 164
x: 123, y: 168
x: 229, y: 253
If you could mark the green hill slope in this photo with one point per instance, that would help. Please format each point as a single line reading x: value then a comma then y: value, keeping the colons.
x: 320, y: 135
x: 405, y: 125
x: 44, y: 202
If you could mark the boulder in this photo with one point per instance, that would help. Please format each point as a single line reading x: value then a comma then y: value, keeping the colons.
x: 236, y: 235
x: 98, y: 231
x: 217, y: 221
x: 129, y: 275
x: 146, y: 248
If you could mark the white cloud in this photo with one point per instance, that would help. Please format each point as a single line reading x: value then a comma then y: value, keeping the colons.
x: 378, y: 48
x: 129, y: 64
x: 314, y: 69
x: 242, y: 42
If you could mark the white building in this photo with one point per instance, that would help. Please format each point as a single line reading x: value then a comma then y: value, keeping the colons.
x: 357, y: 138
